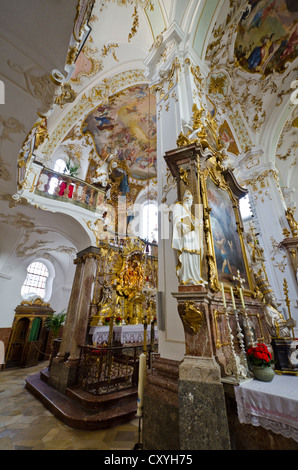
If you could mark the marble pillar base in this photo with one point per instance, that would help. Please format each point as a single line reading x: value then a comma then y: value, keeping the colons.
x: 203, y: 420
x: 184, y: 406
x: 62, y: 375
x: 161, y: 408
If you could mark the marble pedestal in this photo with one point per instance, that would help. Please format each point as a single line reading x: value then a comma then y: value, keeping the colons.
x: 161, y: 406
x: 184, y: 406
x: 62, y: 375
x: 203, y: 419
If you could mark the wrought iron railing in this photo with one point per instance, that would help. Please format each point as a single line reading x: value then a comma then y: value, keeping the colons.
x: 104, y: 370
x: 54, y: 185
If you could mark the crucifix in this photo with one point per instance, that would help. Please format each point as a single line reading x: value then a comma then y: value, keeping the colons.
x: 241, y: 281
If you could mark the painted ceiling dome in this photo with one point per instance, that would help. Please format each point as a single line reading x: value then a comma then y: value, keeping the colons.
x: 126, y: 128
x: 267, y: 36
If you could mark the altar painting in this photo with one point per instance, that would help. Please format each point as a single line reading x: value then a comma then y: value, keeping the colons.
x: 126, y: 127
x: 267, y: 36
x: 227, y: 245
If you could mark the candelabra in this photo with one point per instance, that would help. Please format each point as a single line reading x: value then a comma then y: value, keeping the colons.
x: 239, y: 368
x: 248, y: 330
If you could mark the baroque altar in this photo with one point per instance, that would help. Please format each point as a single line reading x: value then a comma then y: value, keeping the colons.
x: 219, y: 301
x: 124, y: 285
x: 222, y: 296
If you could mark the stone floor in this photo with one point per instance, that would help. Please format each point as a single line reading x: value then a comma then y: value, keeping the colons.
x: 25, y: 424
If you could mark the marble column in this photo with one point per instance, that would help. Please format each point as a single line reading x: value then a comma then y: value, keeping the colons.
x: 71, y: 313
x: 64, y: 374
x: 83, y: 307
x: 270, y: 208
x: 173, y: 80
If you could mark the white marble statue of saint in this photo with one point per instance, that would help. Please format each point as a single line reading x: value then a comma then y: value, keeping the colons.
x: 188, y: 242
x: 278, y: 326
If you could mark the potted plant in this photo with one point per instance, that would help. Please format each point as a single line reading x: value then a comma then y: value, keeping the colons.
x: 71, y: 170
x: 260, y: 360
x: 53, y: 324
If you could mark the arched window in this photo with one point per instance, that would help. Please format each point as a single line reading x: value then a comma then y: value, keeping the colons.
x: 60, y: 166
x: 35, y: 282
x: 149, y: 222
x: 245, y: 209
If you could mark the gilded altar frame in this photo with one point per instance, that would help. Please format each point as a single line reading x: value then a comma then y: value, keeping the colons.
x: 191, y: 165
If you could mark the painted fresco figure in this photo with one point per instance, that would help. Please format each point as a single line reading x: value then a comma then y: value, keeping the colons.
x: 260, y: 53
x: 188, y: 242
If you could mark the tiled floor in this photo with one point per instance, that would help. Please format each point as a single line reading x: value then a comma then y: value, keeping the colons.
x: 25, y: 424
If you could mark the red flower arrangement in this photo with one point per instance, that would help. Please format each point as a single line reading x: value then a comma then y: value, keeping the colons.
x: 118, y: 319
x: 259, y: 356
x: 101, y: 350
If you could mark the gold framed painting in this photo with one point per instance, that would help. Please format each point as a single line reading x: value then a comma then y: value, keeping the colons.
x: 225, y: 245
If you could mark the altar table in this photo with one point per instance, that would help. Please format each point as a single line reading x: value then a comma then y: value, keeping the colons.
x: 124, y: 334
x: 272, y: 405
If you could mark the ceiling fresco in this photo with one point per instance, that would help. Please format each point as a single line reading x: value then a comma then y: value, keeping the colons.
x: 126, y: 127
x: 267, y: 36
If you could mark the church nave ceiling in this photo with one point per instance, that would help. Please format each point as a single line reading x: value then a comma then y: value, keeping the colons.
x: 246, y: 88
x: 252, y: 56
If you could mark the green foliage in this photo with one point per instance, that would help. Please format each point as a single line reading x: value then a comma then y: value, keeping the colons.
x: 70, y: 169
x: 55, y: 322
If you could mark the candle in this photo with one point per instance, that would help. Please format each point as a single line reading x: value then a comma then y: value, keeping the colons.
x: 223, y: 295
x: 232, y: 296
x: 142, y: 369
x: 242, y: 300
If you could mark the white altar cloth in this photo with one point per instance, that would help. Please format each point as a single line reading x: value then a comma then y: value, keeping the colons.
x: 272, y: 405
x: 123, y: 334
x: 133, y: 334
x: 100, y: 334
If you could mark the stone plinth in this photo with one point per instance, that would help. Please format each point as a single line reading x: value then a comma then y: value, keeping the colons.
x: 62, y: 375
x: 161, y: 406
x: 203, y: 420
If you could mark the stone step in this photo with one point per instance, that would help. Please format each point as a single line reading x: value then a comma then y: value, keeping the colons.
x: 71, y: 413
x: 165, y: 367
x: 89, y: 401
x: 44, y: 375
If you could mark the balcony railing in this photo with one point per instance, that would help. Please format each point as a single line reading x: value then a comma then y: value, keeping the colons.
x: 58, y: 186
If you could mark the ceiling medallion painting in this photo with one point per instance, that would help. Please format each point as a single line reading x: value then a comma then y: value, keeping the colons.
x: 267, y: 36
x: 227, y: 138
x: 125, y: 126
